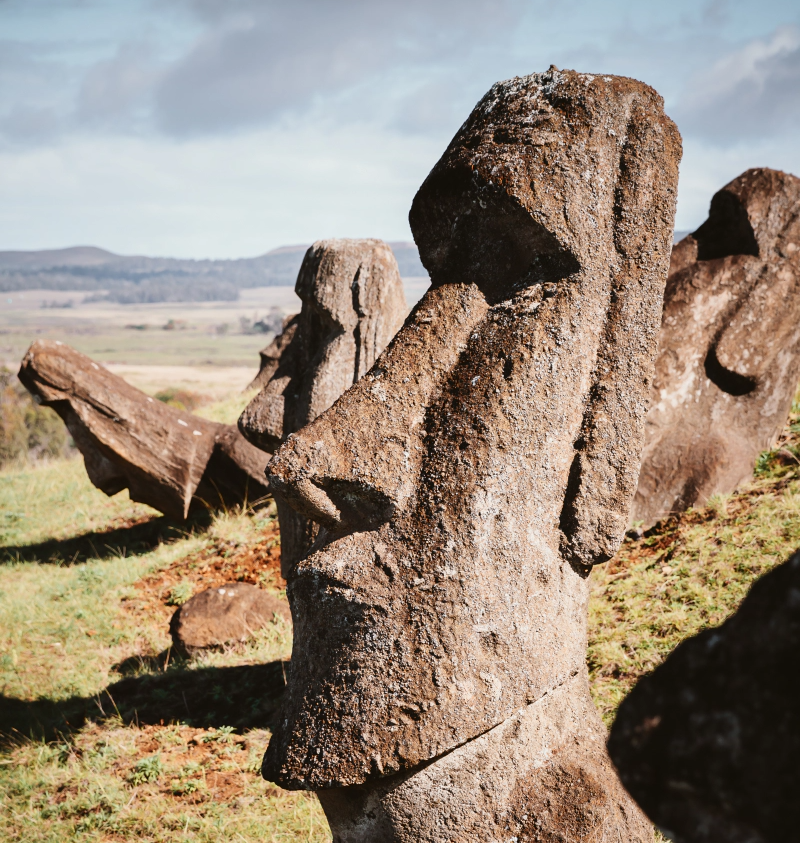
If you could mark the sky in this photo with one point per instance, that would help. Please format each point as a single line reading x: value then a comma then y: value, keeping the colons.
x: 225, y: 128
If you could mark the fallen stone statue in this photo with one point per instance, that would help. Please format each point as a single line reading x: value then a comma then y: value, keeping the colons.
x: 167, y: 458
x: 353, y: 304
x: 467, y: 484
x: 729, y: 359
x: 709, y: 742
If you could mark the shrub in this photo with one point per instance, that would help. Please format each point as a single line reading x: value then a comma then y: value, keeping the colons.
x: 181, y: 399
x: 28, y: 432
x: 180, y: 593
x: 147, y: 770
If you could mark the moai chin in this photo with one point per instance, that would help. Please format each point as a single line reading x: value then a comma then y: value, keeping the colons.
x: 469, y: 481
x: 353, y: 304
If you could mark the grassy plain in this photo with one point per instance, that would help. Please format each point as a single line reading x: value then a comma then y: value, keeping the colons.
x: 204, y: 334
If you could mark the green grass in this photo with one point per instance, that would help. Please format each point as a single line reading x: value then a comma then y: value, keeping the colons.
x: 101, y: 716
x: 54, y: 501
x: 690, y: 574
x: 229, y: 409
x: 99, y: 787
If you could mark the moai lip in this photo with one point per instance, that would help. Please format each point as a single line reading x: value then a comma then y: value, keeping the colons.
x: 729, y: 358
x: 468, y: 482
x: 167, y: 458
x: 353, y: 304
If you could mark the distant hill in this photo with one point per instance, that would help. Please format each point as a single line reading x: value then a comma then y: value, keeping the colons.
x: 136, y: 279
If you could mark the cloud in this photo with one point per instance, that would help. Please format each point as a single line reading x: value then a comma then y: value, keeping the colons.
x: 25, y: 124
x: 115, y: 91
x: 259, y: 61
x: 31, y: 77
x: 752, y: 93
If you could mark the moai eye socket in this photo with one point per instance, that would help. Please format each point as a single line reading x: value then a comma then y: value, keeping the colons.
x: 478, y: 233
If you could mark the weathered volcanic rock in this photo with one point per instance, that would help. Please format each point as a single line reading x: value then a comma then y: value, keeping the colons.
x: 468, y: 482
x: 709, y: 743
x: 353, y: 304
x: 543, y: 774
x: 271, y: 358
x: 167, y: 458
x: 223, y: 615
x: 729, y: 358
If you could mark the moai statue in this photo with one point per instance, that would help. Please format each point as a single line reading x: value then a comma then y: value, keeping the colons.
x: 353, y: 304
x: 729, y: 346
x: 169, y: 459
x: 467, y: 484
x: 709, y: 742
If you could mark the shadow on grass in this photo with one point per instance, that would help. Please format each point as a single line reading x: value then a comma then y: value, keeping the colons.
x: 243, y: 697
x: 130, y: 540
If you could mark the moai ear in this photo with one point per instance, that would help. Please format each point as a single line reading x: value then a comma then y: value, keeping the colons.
x: 603, y: 476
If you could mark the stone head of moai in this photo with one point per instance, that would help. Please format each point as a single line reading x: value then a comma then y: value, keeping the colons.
x: 468, y: 482
x: 729, y: 358
x: 353, y: 304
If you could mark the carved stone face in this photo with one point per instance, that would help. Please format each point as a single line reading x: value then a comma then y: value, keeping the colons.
x: 466, y: 484
x: 353, y: 304
x: 729, y: 346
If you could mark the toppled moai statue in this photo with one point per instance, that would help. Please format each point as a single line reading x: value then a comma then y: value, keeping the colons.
x: 729, y: 359
x: 470, y: 480
x: 167, y: 458
x: 353, y: 304
x: 709, y: 742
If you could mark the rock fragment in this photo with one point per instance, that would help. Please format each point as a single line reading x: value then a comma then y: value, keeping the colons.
x: 224, y: 615
x: 709, y: 743
x: 729, y: 359
x: 353, y: 304
x: 468, y: 482
x: 167, y: 458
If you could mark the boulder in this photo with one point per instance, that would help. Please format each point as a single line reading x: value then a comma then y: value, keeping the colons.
x: 167, y: 458
x: 353, y: 304
x: 709, y: 743
x: 468, y: 482
x: 729, y: 358
x: 224, y: 615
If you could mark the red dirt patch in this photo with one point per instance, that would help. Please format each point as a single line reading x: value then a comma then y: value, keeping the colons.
x: 257, y: 563
x: 187, y: 764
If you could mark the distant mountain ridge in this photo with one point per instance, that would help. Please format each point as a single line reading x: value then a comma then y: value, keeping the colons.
x: 129, y: 279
